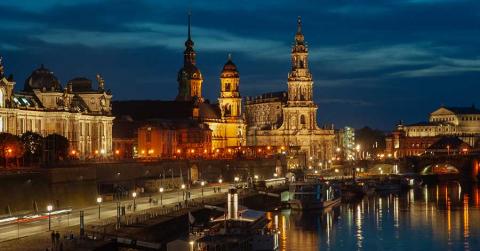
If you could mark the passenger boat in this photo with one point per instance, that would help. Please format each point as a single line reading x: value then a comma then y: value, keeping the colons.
x: 312, y: 194
x: 238, y: 230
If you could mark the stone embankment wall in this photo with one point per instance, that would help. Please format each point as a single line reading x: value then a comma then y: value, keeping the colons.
x: 79, y: 185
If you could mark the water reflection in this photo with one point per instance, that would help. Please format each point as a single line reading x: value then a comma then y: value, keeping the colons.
x: 443, y: 217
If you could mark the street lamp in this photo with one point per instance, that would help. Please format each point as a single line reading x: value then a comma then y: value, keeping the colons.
x: 183, y: 191
x: 236, y: 179
x: 134, y: 195
x: 275, y: 175
x: 49, y: 209
x: 191, y: 245
x: 161, y: 195
x: 99, y: 201
x: 202, y: 184
x: 220, y: 180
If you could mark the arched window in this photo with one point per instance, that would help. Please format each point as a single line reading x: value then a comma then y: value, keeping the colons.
x: 228, y: 110
x: 302, y: 120
x: 227, y: 87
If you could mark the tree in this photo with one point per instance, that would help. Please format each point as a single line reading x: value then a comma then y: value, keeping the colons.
x: 10, y: 147
x: 371, y: 140
x: 33, y: 145
x: 57, y: 147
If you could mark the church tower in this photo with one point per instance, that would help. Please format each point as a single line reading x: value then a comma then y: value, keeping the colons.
x: 189, y: 77
x: 300, y: 111
x: 230, y: 101
x: 300, y: 83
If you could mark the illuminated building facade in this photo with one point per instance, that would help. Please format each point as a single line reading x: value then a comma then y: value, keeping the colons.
x: 223, y: 120
x: 79, y: 112
x: 167, y: 139
x: 290, y: 118
x: 415, y: 139
x: 346, y: 143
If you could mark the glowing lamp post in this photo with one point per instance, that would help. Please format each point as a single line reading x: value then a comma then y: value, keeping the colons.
x: 134, y: 195
x: 183, y: 191
x: 202, y: 184
x: 161, y: 195
x: 99, y: 202
x: 49, y: 209
x: 191, y: 245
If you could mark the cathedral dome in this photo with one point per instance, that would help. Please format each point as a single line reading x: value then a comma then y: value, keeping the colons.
x: 229, y: 69
x: 190, y: 71
x: 42, y: 78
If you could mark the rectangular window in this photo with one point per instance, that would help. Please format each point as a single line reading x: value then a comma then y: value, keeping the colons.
x: 149, y: 136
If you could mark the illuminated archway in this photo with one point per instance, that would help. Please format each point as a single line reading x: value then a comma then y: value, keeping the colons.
x: 440, y: 169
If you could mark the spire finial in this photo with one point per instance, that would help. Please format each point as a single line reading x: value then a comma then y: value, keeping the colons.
x: 189, y: 16
x: 299, y: 24
x: 229, y: 56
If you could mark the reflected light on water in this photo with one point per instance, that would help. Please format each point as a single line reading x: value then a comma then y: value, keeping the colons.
x: 428, y: 218
x: 379, y: 214
x: 358, y: 224
x: 466, y: 224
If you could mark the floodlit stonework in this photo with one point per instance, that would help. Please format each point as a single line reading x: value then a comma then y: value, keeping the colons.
x: 290, y: 118
x: 78, y: 112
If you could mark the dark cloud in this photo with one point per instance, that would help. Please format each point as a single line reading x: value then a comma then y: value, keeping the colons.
x: 373, y: 62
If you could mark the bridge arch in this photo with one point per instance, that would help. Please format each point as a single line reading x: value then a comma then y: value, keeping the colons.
x: 440, y: 168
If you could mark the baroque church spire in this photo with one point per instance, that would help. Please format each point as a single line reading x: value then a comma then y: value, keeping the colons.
x: 300, y: 82
x: 299, y: 38
x: 189, y: 77
x: 189, y: 54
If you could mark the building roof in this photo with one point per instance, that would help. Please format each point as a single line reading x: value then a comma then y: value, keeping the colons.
x: 141, y: 110
x: 209, y: 111
x: 229, y: 69
x: 463, y: 110
x: 124, y: 128
x: 25, y: 100
x: 42, y: 78
x: 153, y: 109
x: 428, y: 123
x: 175, y: 124
x: 81, y: 84
x: 269, y: 97
x: 448, y: 142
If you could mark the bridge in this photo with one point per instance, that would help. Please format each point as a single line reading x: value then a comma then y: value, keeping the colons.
x: 467, y: 167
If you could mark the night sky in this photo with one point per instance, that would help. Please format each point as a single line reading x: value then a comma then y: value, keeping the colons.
x: 373, y: 62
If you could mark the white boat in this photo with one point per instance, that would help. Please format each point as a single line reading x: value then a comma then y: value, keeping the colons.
x: 238, y: 229
x: 312, y: 194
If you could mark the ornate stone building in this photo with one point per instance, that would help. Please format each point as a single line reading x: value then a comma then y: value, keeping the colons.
x: 415, y: 139
x: 224, y: 119
x: 79, y: 112
x: 290, y: 118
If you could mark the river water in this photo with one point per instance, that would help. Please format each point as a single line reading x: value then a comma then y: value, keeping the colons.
x: 437, y: 217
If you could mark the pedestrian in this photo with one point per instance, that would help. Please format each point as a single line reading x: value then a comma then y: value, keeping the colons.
x: 57, y: 238
x: 52, y: 235
x: 61, y: 246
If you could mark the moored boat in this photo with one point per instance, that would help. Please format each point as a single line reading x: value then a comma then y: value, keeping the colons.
x: 312, y: 194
